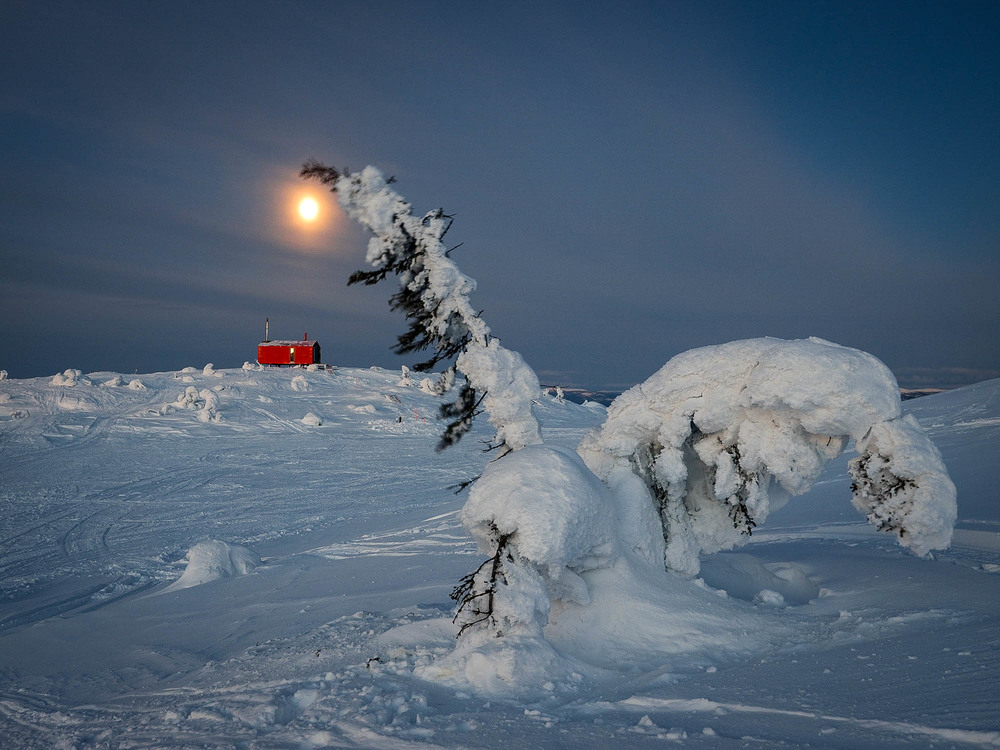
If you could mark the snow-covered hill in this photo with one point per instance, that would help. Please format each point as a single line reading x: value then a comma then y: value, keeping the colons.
x: 262, y: 558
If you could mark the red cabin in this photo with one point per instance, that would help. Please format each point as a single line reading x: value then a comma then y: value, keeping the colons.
x: 303, y: 352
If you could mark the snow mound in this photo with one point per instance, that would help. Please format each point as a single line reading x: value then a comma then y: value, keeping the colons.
x: 312, y: 420
x: 212, y: 560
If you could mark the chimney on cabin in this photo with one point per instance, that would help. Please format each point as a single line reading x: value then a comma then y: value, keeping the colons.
x: 267, y: 323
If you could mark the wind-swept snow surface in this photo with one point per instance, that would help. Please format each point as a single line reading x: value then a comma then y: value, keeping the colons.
x: 342, y: 544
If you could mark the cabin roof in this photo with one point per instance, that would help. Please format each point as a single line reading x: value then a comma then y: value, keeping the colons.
x: 300, y: 342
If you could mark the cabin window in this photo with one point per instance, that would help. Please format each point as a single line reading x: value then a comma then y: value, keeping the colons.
x: 291, y: 356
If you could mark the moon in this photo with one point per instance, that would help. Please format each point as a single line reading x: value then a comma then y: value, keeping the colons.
x: 308, y: 209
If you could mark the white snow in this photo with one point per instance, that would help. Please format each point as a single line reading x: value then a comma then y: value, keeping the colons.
x: 212, y: 560
x: 819, y: 632
x: 312, y: 420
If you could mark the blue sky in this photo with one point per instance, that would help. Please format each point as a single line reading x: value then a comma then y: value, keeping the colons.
x: 629, y: 180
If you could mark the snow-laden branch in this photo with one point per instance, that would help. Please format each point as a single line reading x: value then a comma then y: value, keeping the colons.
x: 434, y: 295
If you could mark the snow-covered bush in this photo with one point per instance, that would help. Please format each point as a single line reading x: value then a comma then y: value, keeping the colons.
x: 205, y: 402
x: 553, y: 519
x: 209, y: 411
x: 69, y: 378
x: 188, y: 399
x: 689, y: 462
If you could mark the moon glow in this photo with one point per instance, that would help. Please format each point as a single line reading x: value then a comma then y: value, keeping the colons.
x: 308, y: 209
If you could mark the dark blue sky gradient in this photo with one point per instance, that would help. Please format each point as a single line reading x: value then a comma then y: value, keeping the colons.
x: 629, y: 180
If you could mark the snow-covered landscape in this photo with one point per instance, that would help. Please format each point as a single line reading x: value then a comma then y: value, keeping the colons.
x: 683, y: 437
x: 263, y: 558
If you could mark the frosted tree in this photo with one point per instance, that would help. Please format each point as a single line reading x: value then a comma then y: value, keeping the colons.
x: 688, y: 462
x: 721, y: 435
x: 434, y: 296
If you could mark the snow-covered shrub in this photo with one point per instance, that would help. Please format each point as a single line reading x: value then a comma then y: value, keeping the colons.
x: 3, y: 374
x: 252, y: 366
x: 404, y: 377
x: 311, y: 420
x: 69, y: 378
x: 205, y: 401
x: 543, y: 512
x: 209, y: 411
x: 188, y: 399
x: 299, y: 383
x: 136, y: 385
x: 116, y: 382
x: 209, y: 371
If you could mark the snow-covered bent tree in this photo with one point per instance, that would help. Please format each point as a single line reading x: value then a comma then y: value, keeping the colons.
x: 688, y: 462
x: 723, y: 434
